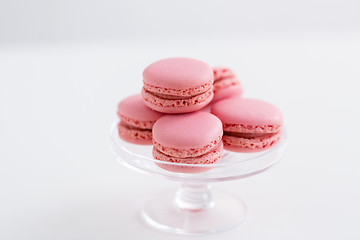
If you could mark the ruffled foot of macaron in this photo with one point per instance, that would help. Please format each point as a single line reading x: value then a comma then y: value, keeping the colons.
x: 250, y: 125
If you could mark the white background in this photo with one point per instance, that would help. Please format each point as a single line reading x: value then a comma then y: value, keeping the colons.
x: 64, y: 65
x: 79, y: 20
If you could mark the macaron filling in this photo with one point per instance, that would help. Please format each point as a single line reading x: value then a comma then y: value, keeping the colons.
x: 249, y: 135
x: 184, y: 153
x: 163, y: 100
x: 209, y: 157
x: 251, y: 140
x: 136, y: 123
x: 188, y: 92
x: 247, y: 128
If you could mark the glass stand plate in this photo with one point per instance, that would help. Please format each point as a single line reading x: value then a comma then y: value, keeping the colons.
x: 194, y: 208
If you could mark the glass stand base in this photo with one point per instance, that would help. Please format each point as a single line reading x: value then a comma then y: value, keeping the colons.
x: 219, y: 212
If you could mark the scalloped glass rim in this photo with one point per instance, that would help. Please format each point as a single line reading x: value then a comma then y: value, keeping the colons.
x: 115, y: 137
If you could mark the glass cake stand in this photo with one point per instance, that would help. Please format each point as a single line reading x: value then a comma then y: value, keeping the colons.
x: 194, y: 208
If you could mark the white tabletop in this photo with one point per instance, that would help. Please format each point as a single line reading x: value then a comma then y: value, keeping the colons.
x: 59, y: 180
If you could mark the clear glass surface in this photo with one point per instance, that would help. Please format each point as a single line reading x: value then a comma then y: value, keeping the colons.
x: 194, y: 208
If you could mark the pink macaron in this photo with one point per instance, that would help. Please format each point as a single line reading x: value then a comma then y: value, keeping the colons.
x: 226, y: 84
x: 193, y: 138
x: 250, y: 125
x: 177, y: 85
x: 137, y: 120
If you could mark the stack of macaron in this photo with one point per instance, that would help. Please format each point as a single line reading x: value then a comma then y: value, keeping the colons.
x: 169, y: 114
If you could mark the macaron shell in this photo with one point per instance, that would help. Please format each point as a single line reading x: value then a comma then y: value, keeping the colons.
x: 184, y: 105
x: 228, y: 92
x: 187, y: 131
x: 134, y: 111
x: 237, y: 110
x: 178, y: 73
x: 209, y: 158
x: 135, y: 136
x: 245, y: 145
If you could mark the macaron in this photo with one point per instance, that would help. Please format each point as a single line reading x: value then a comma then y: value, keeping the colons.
x: 250, y: 125
x: 193, y: 138
x: 177, y: 85
x: 226, y: 84
x: 136, y: 120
